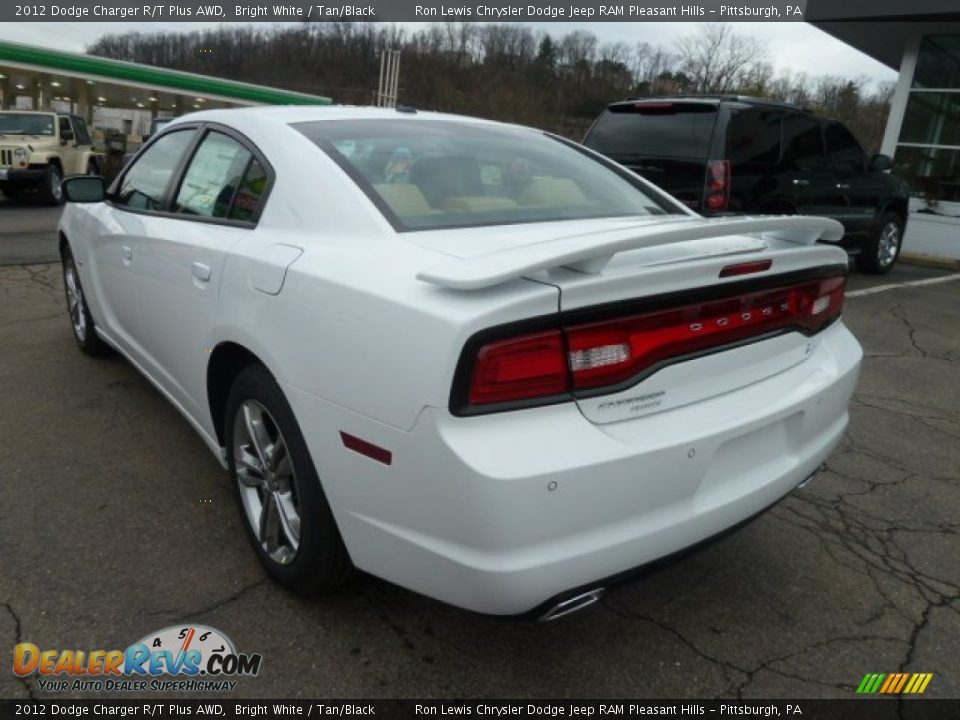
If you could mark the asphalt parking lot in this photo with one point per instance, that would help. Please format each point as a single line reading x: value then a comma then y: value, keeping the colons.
x: 116, y: 521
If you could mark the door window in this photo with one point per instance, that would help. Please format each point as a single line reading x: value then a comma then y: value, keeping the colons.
x: 65, y: 128
x: 83, y: 137
x: 145, y: 183
x: 845, y: 153
x: 222, y: 181
x: 805, y: 143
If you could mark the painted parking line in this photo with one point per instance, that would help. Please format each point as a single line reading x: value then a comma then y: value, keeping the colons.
x: 894, y: 286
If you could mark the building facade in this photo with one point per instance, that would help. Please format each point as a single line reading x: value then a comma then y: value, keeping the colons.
x: 922, y: 134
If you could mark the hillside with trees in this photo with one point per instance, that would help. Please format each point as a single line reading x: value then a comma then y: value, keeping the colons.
x: 503, y: 71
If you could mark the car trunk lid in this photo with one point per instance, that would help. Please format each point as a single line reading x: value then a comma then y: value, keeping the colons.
x: 637, y: 299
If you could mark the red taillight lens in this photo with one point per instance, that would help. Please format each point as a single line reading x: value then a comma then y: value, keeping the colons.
x: 717, y: 197
x: 520, y: 368
x: 606, y: 353
x: 647, y: 340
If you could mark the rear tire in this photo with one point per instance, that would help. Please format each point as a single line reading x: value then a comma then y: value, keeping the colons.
x: 284, y: 509
x: 50, y: 192
x: 84, y: 329
x: 881, y: 250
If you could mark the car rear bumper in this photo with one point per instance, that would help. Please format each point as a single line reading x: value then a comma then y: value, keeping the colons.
x: 501, y: 513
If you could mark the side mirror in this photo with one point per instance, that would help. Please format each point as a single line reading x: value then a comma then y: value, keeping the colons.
x: 66, y: 136
x: 84, y: 189
x: 879, y: 163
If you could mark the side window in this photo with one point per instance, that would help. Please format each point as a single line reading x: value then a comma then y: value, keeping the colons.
x: 250, y: 194
x: 83, y: 137
x: 844, y: 151
x: 65, y: 127
x: 805, y: 144
x: 754, y: 139
x: 145, y: 183
x: 215, y: 180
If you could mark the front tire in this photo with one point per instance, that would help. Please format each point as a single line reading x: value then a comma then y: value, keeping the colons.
x: 881, y: 250
x: 283, y: 506
x: 84, y: 329
x: 50, y: 192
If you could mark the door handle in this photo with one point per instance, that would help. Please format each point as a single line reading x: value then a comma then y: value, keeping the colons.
x: 201, y: 272
x: 127, y: 252
x: 801, y: 182
x: 843, y: 186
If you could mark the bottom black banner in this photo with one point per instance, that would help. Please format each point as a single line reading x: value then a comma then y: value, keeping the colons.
x: 853, y: 709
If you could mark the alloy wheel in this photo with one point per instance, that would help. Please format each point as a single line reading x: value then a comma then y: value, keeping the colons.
x: 266, y: 480
x: 889, y: 244
x: 75, y: 301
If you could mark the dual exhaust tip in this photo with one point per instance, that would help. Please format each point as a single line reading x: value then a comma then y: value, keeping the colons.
x: 572, y: 605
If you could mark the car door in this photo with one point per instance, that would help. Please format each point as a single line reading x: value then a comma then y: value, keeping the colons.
x: 179, y: 260
x: 69, y: 152
x: 807, y: 178
x: 860, y: 188
x: 122, y: 224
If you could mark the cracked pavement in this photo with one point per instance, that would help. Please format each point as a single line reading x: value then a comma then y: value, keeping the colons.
x: 106, y: 539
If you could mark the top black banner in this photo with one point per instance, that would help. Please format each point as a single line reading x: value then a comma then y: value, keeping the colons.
x: 578, y: 11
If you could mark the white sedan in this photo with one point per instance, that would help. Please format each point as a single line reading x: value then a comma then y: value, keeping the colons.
x: 474, y: 359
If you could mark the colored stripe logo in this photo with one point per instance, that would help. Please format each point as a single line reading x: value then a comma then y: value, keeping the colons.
x: 894, y: 683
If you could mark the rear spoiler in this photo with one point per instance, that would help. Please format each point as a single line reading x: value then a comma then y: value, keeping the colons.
x: 590, y: 252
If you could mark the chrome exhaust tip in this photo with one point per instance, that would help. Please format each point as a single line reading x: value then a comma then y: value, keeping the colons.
x: 572, y: 605
x: 808, y: 478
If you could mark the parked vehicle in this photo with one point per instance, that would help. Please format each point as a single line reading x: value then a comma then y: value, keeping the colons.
x: 726, y: 154
x: 38, y: 149
x: 477, y: 360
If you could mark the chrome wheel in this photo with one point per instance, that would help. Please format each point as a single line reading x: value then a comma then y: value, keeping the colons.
x: 75, y: 302
x: 889, y: 244
x: 266, y: 481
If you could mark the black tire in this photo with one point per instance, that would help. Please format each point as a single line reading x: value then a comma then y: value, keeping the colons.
x: 881, y: 250
x: 50, y: 191
x: 319, y: 563
x: 78, y: 312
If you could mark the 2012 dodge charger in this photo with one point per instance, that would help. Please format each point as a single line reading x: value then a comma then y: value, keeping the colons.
x: 474, y: 359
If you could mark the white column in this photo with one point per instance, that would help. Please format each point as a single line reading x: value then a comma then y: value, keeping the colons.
x: 898, y: 105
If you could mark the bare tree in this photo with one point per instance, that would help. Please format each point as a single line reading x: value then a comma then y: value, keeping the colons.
x: 718, y: 60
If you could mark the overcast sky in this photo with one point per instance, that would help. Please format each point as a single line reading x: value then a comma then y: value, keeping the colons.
x: 794, y: 45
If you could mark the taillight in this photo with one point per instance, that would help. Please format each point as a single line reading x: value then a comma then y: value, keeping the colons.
x: 592, y: 357
x: 529, y: 366
x: 717, y: 196
x: 612, y: 352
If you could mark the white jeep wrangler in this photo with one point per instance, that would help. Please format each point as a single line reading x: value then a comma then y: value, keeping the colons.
x: 39, y: 149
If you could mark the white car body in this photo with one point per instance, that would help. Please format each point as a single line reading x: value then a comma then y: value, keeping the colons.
x: 363, y: 328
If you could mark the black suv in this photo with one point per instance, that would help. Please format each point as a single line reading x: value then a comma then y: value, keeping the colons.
x: 724, y: 154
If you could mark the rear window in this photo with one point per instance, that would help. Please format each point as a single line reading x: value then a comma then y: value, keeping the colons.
x: 425, y: 174
x: 654, y: 129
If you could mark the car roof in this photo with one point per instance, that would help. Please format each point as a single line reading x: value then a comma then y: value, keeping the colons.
x: 714, y: 100
x: 291, y: 114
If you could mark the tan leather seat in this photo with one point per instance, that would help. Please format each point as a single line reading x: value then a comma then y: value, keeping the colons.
x: 552, y: 192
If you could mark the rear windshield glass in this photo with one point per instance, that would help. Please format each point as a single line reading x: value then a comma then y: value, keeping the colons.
x: 426, y: 174
x: 654, y: 129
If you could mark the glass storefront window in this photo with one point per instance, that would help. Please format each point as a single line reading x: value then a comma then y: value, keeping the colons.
x: 933, y: 173
x: 938, y: 65
x: 932, y: 119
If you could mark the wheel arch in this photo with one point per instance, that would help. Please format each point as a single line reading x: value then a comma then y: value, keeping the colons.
x: 898, y: 205
x: 227, y: 360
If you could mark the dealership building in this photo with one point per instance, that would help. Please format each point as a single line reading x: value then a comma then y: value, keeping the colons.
x: 921, y: 39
